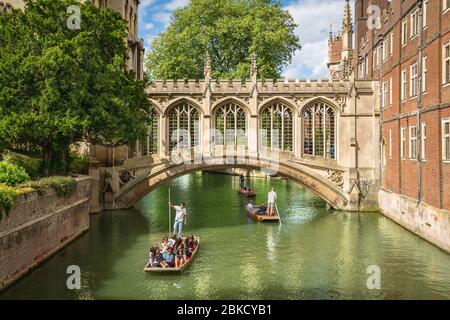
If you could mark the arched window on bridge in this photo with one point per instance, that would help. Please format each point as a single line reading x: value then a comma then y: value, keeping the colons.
x: 231, y: 125
x: 184, y: 127
x: 319, y: 131
x: 277, y: 122
x: 150, y: 143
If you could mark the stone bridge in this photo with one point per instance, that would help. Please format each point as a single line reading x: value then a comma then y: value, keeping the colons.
x: 324, y: 134
x: 320, y: 133
x: 126, y: 184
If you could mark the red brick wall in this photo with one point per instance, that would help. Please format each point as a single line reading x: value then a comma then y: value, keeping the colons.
x: 402, y: 175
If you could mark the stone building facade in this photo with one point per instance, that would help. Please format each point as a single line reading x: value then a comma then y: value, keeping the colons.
x: 128, y: 9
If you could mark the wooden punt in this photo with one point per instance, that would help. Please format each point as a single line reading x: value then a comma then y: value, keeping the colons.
x: 149, y: 268
x: 263, y: 218
x: 248, y: 194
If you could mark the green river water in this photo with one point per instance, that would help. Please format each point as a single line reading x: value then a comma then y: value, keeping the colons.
x: 315, y: 253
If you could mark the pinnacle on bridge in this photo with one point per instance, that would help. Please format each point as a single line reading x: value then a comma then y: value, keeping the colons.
x: 207, y: 70
x: 347, y: 21
x: 254, y: 68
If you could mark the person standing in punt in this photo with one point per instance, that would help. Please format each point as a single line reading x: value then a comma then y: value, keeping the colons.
x: 271, y: 198
x: 179, y: 218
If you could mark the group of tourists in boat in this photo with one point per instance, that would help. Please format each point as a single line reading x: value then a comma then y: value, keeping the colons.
x: 173, y: 252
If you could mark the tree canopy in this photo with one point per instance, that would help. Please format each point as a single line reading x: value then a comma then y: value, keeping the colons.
x: 59, y: 86
x: 231, y: 31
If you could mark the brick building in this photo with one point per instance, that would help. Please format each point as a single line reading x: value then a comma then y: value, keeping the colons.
x: 408, y: 52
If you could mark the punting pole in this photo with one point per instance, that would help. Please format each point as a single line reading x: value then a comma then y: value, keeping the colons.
x: 278, y: 212
x: 170, y: 218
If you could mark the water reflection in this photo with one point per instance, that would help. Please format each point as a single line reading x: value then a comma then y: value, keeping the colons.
x: 315, y: 254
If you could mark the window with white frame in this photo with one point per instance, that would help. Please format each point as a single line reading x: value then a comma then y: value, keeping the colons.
x: 446, y: 139
x: 404, y: 32
x: 424, y: 74
x: 380, y: 52
x: 391, y: 44
x: 446, y: 63
x: 446, y: 4
x: 413, y: 80
x: 403, y: 88
x: 412, y: 142
x: 423, y: 141
x: 425, y: 13
x: 363, y: 68
x: 390, y: 91
x: 402, y: 142
x: 384, y: 94
x: 390, y: 143
x: 367, y: 65
x: 374, y: 59
x: 384, y: 49
x: 414, y: 23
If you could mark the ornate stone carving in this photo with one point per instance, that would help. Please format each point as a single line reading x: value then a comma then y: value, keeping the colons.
x: 199, y: 99
x: 298, y: 100
x: 337, y: 177
x: 341, y: 103
x: 163, y: 101
x: 126, y: 177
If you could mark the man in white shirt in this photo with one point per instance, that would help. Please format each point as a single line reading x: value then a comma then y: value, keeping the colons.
x: 271, y: 198
x: 250, y: 205
x: 180, y: 218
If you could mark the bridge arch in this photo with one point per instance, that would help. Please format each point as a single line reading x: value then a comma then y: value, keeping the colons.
x: 156, y: 105
x: 167, y: 171
x: 314, y: 100
x: 277, y: 99
x: 188, y: 100
x: 217, y: 104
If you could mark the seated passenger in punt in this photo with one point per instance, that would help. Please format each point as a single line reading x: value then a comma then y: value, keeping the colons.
x: 155, y: 257
x: 168, y: 258
x: 165, y: 244
x: 165, y: 255
x: 180, y: 257
x: 262, y: 209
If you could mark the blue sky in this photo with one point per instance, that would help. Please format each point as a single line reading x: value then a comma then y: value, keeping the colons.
x: 312, y: 16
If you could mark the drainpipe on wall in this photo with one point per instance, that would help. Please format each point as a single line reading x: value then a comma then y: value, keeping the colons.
x: 419, y: 104
x: 381, y: 156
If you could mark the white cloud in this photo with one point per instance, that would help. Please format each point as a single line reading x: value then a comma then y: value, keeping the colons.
x: 144, y: 4
x: 162, y: 18
x: 313, y: 18
x: 148, y: 26
x: 175, y: 4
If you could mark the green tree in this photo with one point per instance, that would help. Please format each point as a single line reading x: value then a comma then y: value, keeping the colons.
x: 230, y: 30
x: 59, y: 86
